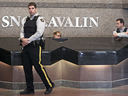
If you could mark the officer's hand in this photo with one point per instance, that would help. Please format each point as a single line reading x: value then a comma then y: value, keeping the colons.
x: 126, y: 32
x: 23, y: 44
x: 115, y: 35
x: 25, y: 41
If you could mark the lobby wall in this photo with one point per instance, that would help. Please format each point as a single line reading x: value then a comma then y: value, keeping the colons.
x: 107, y: 11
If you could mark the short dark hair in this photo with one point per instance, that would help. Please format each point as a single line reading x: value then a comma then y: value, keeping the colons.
x: 121, y: 20
x: 32, y: 4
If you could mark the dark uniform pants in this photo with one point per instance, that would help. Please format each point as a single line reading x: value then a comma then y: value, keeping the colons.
x: 32, y: 56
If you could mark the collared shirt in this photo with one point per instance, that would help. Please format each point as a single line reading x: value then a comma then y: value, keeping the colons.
x: 121, y: 34
x: 40, y: 29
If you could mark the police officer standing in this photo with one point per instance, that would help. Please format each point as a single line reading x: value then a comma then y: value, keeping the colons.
x: 30, y: 36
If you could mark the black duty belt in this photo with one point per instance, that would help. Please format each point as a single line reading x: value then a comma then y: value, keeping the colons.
x: 36, y: 42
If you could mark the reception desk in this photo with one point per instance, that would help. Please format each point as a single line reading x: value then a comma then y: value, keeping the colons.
x: 78, y: 62
x: 78, y: 50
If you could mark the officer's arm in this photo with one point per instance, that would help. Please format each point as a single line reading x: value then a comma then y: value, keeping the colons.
x: 22, y: 33
x: 40, y: 29
x: 123, y: 34
x: 114, y: 34
x: 126, y: 31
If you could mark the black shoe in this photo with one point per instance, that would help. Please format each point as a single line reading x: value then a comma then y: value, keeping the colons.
x: 49, y: 90
x: 27, y: 92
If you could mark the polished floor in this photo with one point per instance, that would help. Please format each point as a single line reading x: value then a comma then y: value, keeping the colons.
x: 64, y: 91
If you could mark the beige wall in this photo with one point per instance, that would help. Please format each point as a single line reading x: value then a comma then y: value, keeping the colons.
x: 106, y: 21
x: 67, y: 1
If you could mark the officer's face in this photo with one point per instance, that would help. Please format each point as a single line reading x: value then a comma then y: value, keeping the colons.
x: 32, y: 10
x: 119, y: 25
x: 57, y: 35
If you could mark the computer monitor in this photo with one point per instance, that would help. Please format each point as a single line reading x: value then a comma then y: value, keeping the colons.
x: 60, y: 39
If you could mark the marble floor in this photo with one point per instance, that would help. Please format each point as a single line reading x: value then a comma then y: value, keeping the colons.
x: 64, y: 91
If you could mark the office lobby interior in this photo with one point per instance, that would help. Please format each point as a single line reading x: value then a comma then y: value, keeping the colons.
x: 86, y: 61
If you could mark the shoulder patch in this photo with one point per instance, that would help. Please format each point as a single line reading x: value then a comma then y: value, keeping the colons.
x: 41, y: 20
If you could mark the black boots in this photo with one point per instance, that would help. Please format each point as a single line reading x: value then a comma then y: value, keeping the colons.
x: 26, y: 92
x: 49, y: 90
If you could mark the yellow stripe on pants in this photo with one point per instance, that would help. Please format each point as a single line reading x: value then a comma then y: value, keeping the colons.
x: 42, y: 67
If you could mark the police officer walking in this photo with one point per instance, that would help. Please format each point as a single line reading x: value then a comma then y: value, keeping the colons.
x: 30, y: 36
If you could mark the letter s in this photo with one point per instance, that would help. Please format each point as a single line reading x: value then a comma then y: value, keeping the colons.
x: 5, y: 21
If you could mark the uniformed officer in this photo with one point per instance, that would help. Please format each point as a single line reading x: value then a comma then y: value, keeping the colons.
x: 30, y: 36
x: 121, y: 31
